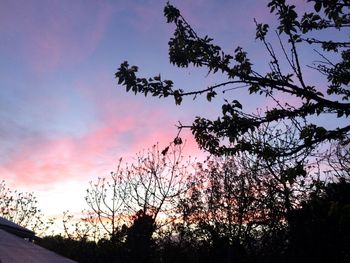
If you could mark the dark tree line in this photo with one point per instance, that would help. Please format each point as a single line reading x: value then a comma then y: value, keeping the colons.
x: 226, y: 209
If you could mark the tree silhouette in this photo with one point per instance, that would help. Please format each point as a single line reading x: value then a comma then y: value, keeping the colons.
x: 320, y: 229
x: 107, y: 198
x: 144, y: 192
x: 139, y: 243
x: 286, y: 78
x: 21, y: 208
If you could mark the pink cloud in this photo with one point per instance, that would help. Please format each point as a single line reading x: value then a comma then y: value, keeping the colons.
x: 46, y: 161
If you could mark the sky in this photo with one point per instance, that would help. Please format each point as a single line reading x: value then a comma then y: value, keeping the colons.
x: 64, y: 121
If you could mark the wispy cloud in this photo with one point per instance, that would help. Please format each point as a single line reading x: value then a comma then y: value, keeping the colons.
x: 45, y: 160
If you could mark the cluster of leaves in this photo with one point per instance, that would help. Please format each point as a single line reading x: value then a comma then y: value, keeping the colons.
x: 187, y: 48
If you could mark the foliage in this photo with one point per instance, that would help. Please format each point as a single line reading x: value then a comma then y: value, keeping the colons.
x: 226, y: 134
x: 83, y: 250
x: 107, y: 199
x: 21, y: 208
x: 236, y: 203
x: 146, y: 188
x: 338, y: 161
x: 83, y: 228
x: 235, y: 208
x: 139, y: 242
x: 320, y: 229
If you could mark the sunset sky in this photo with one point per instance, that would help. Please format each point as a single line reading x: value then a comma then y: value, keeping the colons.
x: 64, y: 121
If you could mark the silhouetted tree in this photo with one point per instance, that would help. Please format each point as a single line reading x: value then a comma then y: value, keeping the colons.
x: 107, y: 199
x: 286, y: 78
x: 80, y: 250
x: 141, y: 194
x: 281, y: 143
x: 139, y: 242
x: 320, y: 229
x: 85, y: 227
x: 22, y: 208
x: 338, y: 161
x: 155, y: 181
